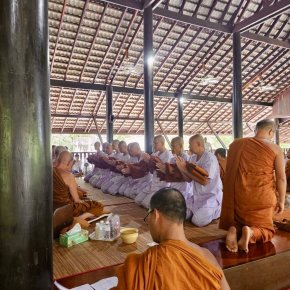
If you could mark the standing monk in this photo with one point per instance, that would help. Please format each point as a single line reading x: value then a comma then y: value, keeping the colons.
x: 255, y: 174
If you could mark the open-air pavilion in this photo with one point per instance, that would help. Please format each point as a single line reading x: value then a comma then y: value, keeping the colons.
x: 171, y: 67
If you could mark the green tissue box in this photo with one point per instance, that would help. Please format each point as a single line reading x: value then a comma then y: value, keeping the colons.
x: 77, y: 238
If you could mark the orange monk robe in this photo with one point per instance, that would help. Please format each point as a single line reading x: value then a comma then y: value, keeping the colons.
x: 62, y: 196
x: 288, y: 174
x: 171, y: 265
x: 249, y: 189
x: 222, y: 165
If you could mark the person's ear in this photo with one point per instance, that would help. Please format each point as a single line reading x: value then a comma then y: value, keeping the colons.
x: 156, y: 215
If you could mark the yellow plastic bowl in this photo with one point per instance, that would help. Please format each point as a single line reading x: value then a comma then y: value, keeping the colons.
x: 129, y: 235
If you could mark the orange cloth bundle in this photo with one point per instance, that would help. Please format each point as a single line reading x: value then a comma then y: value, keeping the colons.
x: 138, y: 170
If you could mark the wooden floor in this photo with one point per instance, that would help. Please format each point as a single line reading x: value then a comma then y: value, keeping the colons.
x: 97, y: 254
x: 94, y: 255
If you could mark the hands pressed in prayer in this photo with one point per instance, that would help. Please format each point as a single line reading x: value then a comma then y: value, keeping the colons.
x: 279, y: 207
x: 161, y: 167
x: 120, y: 167
x: 125, y: 170
x: 181, y: 164
x: 146, y: 157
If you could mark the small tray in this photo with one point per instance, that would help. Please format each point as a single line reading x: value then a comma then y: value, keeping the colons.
x: 92, y: 236
x: 98, y: 218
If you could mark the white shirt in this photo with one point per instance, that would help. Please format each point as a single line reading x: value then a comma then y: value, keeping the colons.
x: 209, y: 195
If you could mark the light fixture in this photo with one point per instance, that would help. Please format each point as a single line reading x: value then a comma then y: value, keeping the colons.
x: 207, y: 79
x: 128, y: 67
x: 264, y: 88
x: 150, y: 60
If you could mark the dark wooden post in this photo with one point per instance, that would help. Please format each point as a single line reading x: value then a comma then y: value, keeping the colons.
x: 25, y: 155
x: 110, y: 117
x: 148, y: 80
x: 237, y: 109
x: 180, y: 113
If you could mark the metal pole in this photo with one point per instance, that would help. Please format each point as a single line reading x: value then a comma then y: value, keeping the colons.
x: 25, y: 155
x: 277, y: 135
x: 217, y: 136
x: 98, y: 132
x: 148, y: 80
x: 237, y: 109
x: 110, y: 117
x: 163, y: 132
x: 180, y: 113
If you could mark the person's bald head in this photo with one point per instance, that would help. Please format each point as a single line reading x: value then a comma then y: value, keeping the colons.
x: 104, y: 146
x: 97, y: 146
x: 109, y: 148
x: 65, y: 158
x: 220, y: 153
x: 123, y: 147
x: 58, y: 150
x: 168, y: 208
x: 265, y: 129
x: 135, y: 149
x: 196, y: 144
x: 159, y: 143
x: 115, y: 144
x: 177, y: 145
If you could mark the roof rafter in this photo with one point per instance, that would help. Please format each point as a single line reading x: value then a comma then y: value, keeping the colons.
x: 98, y: 87
x: 263, y: 15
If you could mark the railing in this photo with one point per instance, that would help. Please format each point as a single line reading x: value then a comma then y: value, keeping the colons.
x: 83, y: 155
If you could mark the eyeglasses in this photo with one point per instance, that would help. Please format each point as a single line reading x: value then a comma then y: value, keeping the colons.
x: 145, y: 218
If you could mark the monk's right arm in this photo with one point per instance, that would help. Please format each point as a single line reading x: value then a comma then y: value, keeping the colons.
x: 280, y: 180
x: 73, y: 188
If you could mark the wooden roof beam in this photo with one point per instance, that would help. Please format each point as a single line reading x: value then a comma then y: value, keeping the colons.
x: 263, y: 15
x: 126, y: 90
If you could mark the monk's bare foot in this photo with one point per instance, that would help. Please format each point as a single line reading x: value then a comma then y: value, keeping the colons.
x: 245, y: 239
x: 231, y: 240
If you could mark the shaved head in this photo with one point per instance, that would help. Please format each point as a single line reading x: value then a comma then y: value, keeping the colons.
x: 177, y: 141
x: 134, y: 145
x: 58, y: 150
x: 171, y: 203
x: 222, y: 152
x: 134, y: 149
x: 65, y: 157
x: 160, y: 138
x: 198, y: 138
x: 266, y: 124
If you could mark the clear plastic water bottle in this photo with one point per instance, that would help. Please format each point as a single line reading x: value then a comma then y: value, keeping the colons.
x: 107, y: 230
x: 101, y: 230
x: 97, y: 231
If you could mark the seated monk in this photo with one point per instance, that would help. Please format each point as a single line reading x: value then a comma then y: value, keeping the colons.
x: 138, y: 171
x: 221, y: 156
x: 255, y: 174
x: 65, y: 190
x: 160, y: 154
x: 204, y: 206
x: 170, y: 172
x: 175, y: 263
